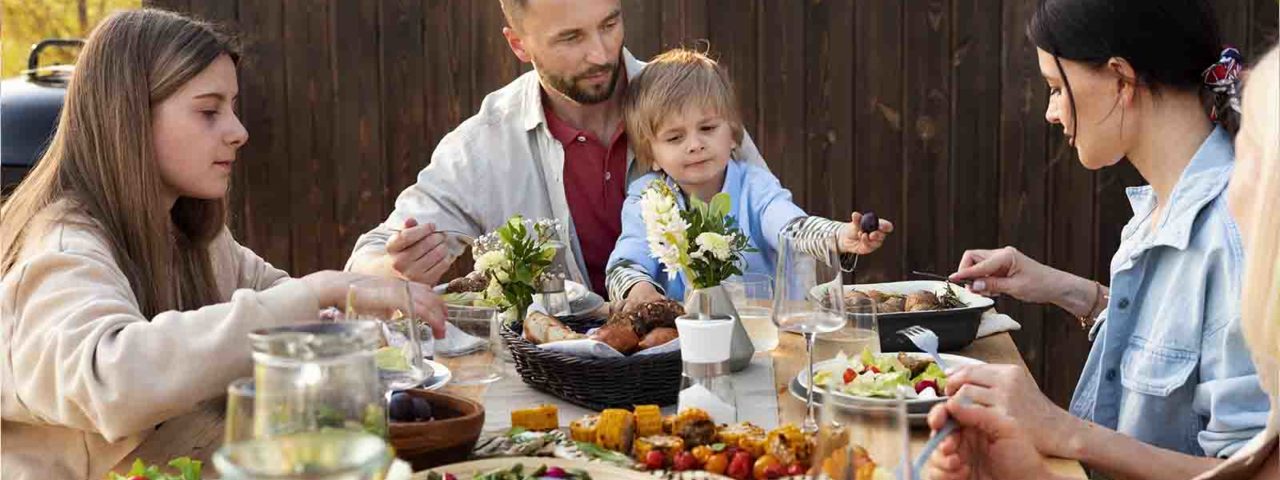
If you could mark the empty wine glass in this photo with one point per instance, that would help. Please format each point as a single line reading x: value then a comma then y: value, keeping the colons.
x: 808, y: 296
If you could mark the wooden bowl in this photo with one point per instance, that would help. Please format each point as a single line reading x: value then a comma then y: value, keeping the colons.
x: 448, y: 438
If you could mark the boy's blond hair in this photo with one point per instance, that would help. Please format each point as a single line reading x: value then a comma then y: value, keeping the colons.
x: 671, y: 82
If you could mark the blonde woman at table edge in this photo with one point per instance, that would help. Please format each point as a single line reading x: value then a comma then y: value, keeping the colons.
x: 1005, y: 437
x: 994, y: 446
x: 125, y: 299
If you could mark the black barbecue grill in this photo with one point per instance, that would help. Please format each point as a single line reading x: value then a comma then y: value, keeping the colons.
x: 29, y: 106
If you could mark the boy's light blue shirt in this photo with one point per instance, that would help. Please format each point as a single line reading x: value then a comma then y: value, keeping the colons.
x: 1169, y: 365
x: 759, y: 203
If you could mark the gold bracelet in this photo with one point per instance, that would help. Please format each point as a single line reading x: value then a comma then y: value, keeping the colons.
x: 1089, y: 318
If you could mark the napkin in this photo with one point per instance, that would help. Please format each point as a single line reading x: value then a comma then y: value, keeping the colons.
x: 994, y: 322
x: 455, y: 340
x: 587, y: 347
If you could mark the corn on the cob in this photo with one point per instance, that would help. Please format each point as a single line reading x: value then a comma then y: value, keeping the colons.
x: 669, y: 445
x: 788, y: 444
x: 584, y: 429
x: 540, y: 418
x: 687, y: 416
x: 648, y: 420
x: 615, y: 429
x: 731, y: 434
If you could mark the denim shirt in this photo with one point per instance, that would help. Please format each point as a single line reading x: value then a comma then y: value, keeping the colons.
x: 758, y: 202
x: 1169, y: 365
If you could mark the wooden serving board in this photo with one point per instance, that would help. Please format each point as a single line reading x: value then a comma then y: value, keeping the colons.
x: 597, y: 470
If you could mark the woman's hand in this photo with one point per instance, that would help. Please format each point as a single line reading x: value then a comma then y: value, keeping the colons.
x: 331, y: 288
x: 988, y: 445
x: 1010, y: 391
x: 854, y: 240
x: 1008, y: 271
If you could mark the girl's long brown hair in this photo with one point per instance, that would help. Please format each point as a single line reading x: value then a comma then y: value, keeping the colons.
x: 102, y: 160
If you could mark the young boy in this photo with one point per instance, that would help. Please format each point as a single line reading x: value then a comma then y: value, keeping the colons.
x: 683, y: 123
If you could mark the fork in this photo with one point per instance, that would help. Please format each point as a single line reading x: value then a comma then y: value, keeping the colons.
x: 465, y: 238
x: 963, y: 283
x: 948, y: 428
x: 926, y: 341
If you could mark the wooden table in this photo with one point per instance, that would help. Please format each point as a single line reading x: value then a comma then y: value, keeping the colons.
x: 789, y: 359
x: 199, y: 433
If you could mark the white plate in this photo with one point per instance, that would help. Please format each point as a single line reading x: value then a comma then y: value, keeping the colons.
x: 798, y: 391
x: 913, y: 405
x: 441, y: 375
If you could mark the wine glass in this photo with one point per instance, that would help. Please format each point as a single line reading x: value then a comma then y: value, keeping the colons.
x: 860, y: 439
x: 390, y: 303
x: 808, y: 296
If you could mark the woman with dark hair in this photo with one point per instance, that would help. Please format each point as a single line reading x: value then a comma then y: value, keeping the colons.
x: 1168, y: 381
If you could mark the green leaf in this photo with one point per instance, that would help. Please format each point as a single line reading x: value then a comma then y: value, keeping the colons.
x: 139, y: 468
x: 190, y: 469
x: 720, y: 205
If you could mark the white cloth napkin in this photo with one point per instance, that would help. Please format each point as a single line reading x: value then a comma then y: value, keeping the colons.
x: 587, y: 347
x: 455, y: 340
x: 994, y: 322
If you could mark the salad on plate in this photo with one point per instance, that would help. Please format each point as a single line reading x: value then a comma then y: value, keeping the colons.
x: 882, y: 376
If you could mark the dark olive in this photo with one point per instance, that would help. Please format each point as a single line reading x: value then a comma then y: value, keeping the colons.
x: 870, y: 222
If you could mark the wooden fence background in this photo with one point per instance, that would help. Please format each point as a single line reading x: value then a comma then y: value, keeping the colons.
x: 929, y: 112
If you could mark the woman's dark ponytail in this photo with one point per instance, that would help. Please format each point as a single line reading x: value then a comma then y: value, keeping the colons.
x: 1170, y: 44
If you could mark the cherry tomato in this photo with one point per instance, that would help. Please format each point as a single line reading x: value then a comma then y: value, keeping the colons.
x: 717, y: 463
x: 759, y: 470
x: 654, y: 460
x: 740, y: 466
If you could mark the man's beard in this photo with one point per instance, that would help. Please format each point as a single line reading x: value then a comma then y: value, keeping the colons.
x: 586, y: 96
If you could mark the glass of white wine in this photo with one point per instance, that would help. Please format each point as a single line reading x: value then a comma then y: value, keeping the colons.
x: 808, y: 295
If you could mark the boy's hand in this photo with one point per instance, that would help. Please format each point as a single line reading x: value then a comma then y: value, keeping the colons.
x: 640, y: 294
x: 854, y: 240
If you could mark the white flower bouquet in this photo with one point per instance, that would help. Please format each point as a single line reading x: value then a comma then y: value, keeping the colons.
x: 514, y: 258
x: 702, y: 241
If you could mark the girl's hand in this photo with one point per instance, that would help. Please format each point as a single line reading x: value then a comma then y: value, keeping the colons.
x: 854, y: 240
x: 331, y: 289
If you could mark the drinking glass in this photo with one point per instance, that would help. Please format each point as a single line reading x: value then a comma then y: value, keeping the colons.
x: 389, y: 303
x: 859, y: 439
x: 471, y: 356
x: 752, y: 296
x: 861, y: 331
x: 240, y: 404
x: 318, y: 455
x: 808, y: 295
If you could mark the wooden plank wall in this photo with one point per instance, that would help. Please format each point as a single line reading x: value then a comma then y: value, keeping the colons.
x: 929, y: 112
